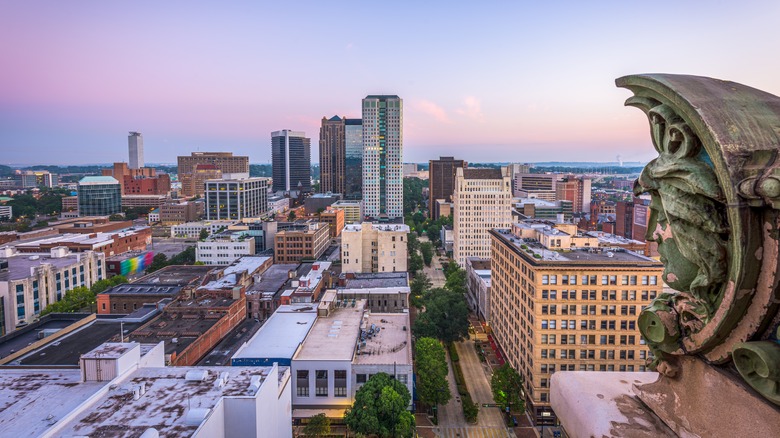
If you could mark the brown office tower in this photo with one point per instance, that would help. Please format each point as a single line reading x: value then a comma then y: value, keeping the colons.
x: 332, y: 155
x: 193, y: 184
x: 441, y: 182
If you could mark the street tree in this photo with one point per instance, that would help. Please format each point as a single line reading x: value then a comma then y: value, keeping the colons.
x: 507, y: 386
x: 318, y: 426
x: 446, y: 316
x: 204, y: 233
x: 380, y: 409
x: 456, y: 281
x: 412, y: 244
x: 419, y: 286
x: 432, y: 385
x: 426, y: 249
x: 415, y: 263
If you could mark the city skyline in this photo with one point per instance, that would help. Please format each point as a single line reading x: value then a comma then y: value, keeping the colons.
x: 485, y: 83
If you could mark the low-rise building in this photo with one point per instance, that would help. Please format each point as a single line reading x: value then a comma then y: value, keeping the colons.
x: 382, y: 291
x: 263, y: 230
x: 372, y: 247
x: 99, y: 196
x: 167, y: 283
x: 147, y: 201
x: 154, y: 216
x: 260, y: 296
x: 278, y: 204
x: 235, y: 278
x: 125, y: 389
x: 70, y: 203
x: 224, y: 248
x: 319, y: 202
x: 306, y: 241
x: 335, y: 219
x: 346, y: 346
x: 305, y: 284
x: 478, y: 286
x: 353, y: 210
x: 30, y: 282
x: 109, y: 243
x: 183, y: 212
x: 279, y: 337
x: 6, y: 211
x: 129, y: 263
x: 191, y: 230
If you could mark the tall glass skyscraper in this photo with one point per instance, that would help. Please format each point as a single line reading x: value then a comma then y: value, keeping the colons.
x: 332, y: 150
x: 353, y: 131
x: 291, y: 158
x: 383, y: 156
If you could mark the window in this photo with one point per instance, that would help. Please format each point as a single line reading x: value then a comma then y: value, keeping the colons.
x: 302, y: 383
x: 361, y: 378
x: 321, y: 383
x: 340, y: 383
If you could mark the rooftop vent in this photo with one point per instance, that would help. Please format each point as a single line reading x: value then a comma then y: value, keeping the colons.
x: 196, y: 376
x: 196, y: 416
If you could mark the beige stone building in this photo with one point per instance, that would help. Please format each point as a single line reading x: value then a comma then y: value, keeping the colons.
x: 369, y: 247
x: 301, y: 242
x: 335, y: 219
x: 194, y: 184
x: 564, y: 306
x: 482, y: 200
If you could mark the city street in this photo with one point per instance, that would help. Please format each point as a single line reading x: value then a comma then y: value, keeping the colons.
x: 434, y: 272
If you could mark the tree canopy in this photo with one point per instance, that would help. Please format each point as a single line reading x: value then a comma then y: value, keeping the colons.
x: 81, y: 297
x: 432, y: 384
x: 507, y: 386
x: 445, y: 317
x: 318, y: 426
x: 426, y: 249
x: 380, y: 408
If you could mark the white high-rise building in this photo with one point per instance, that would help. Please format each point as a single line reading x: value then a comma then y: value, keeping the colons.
x: 383, y: 140
x: 482, y: 200
x: 135, y: 145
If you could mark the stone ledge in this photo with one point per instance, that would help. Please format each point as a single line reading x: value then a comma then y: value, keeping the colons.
x: 603, y: 404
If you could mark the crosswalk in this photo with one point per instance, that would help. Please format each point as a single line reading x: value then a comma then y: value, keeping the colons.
x: 471, y: 432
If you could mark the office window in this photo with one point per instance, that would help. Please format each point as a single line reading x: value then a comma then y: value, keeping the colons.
x: 302, y: 383
x: 340, y: 383
x: 321, y: 383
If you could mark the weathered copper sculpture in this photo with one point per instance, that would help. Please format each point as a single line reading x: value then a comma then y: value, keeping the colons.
x: 715, y: 214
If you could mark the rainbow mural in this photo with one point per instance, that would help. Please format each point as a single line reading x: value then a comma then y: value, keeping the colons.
x: 136, y: 264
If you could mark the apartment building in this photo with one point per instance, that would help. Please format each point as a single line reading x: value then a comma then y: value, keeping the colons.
x: 369, y: 247
x: 559, y: 302
x: 482, y: 200
x: 306, y: 241
x: 224, y: 248
x: 30, y: 282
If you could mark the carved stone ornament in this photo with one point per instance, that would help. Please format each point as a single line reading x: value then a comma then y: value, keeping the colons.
x: 715, y: 214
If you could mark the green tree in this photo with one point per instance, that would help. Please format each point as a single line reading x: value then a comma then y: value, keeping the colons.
x: 412, y: 244
x: 426, y: 248
x: 318, y: 426
x: 380, y: 408
x: 433, y: 388
x: 446, y: 317
x: 456, y: 281
x: 415, y: 263
x: 433, y: 231
x: 116, y: 217
x: 159, y: 261
x: 507, y: 385
x: 291, y: 216
x: 204, y: 233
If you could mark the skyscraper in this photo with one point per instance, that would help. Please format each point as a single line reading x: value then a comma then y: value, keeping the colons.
x: 332, y: 155
x: 441, y: 181
x: 291, y: 158
x: 135, y: 145
x: 383, y: 156
x: 353, y: 167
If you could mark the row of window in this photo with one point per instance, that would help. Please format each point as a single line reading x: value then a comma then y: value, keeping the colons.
x: 625, y: 280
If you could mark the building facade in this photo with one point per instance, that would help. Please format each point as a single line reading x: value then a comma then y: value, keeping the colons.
x: 371, y: 247
x: 192, y: 230
x: 235, y: 199
x: 332, y: 155
x: 568, y: 309
x: 441, y: 182
x: 304, y: 242
x: 291, y: 158
x: 135, y: 146
x: 34, y: 178
x: 335, y: 220
x: 482, y: 200
x: 383, y: 156
x: 224, y: 161
x: 353, y: 167
x: 225, y: 248
x: 575, y: 190
x: 353, y: 210
x: 194, y: 184
x: 478, y: 286
x: 536, y: 185
x: 188, y: 211
x: 30, y: 282
x: 99, y: 196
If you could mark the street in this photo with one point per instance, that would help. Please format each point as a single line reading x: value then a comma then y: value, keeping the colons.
x: 434, y: 272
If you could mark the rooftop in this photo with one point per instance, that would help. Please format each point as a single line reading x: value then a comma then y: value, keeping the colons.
x: 391, y: 341
x: 588, y: 256
x: 272, y: 279
x: 171, y: 403
x: 19, y: 265
x: 179, y: 275
x: 334, y: 337
x: 370, y: 280
x: 281, y: 334
x: 613, y: 238
x: 230, y: 275
x: 377, y: 226
x: 96, y: 180
x: 471, y: 173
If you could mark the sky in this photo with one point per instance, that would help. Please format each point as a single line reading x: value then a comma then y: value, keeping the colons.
x: 519, y: 81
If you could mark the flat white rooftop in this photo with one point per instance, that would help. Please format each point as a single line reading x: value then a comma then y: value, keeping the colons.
x: 172, y: 395
x: 334, y: 337
x: 31, y: 401
x: 391, y: 344
x: 280, y: 336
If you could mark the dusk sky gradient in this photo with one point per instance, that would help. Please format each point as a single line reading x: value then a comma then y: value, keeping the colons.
x: 483, y: 81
